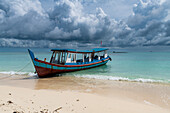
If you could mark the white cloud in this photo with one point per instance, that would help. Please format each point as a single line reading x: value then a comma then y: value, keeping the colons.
x: 21, y: 7
x: 145, y: 12
x: 26, y: 23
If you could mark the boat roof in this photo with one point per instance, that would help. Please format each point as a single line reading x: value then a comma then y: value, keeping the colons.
x: 81, y: 51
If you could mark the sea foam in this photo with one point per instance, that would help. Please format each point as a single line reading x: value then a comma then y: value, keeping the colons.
x: 18, y: 73
x: 102, y: 77
x: 114, y: 78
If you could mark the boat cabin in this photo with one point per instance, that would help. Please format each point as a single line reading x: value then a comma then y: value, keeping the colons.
x: 72, y: 56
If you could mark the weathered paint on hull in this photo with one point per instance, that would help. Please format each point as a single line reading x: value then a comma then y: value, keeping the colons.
x: 47, y: 72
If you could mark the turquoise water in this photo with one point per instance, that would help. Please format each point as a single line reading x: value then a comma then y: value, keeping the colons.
x: 131, y: 66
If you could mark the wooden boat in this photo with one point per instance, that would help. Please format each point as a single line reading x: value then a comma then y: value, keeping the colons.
x: 65, y: 60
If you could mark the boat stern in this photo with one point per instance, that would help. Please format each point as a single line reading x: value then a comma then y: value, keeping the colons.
x: 110, y: 58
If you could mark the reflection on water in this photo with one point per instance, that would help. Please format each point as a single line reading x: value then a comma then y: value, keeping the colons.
x: 64, y: 83
x: 93, y: 71
x: 52, y: 83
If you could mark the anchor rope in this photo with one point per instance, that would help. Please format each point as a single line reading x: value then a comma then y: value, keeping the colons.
x: 16, y: 71
x: 24, y: 67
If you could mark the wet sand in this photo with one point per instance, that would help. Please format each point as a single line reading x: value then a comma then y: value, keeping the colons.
x: 67, y: 94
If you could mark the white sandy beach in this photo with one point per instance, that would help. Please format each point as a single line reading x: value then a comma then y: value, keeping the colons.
x: 79, y: 95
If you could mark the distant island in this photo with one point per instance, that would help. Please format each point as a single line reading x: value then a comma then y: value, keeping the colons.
x: 119, y: 52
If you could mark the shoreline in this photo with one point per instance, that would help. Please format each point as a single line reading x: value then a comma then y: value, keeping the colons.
x: 148, y: 95
x: 4, y: 75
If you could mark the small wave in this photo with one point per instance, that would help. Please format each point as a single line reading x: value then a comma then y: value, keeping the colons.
x: 18, y: 73
x: 119, y: 78
x: 146, y: 80
x: 103, y: 77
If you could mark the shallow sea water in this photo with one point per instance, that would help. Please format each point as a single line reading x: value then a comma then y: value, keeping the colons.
x: 131, y: 66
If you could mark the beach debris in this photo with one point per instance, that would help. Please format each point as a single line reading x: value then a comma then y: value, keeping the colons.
x: 57, y: 109
x: 9, y: 93
x: 44, y: 111
x: 77, y: 100
x: 16, y: 112
x: 2, y: 104
x: 9, y: 102
x: 32, y: 102
x: 84, y: 108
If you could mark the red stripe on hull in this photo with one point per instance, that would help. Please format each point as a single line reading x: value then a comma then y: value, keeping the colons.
x: 47, y: 72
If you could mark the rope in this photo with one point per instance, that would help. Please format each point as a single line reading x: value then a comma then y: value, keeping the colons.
x: 16, y: 71
x: 24, y: 67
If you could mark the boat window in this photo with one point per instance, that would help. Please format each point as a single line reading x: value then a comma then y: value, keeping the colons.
x: 73, y: 58
x: 86, y: 58
x: 105, y: 54
x: 55, y: 57
x: 96, y: 56
x: 89, y: 57
x: 63, y: 57
x: 69, y: 56
x: 101, y: 54
x: 58, y: 57
x: 51, y: 57
x: 68, y: 60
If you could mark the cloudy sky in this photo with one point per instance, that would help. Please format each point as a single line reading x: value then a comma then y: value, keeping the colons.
x: 82, y: 23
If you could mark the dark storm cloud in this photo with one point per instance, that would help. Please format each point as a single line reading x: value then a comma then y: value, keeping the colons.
x: 30, y: 23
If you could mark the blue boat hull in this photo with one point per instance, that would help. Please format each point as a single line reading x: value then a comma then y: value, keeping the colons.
x: 45, y: 69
